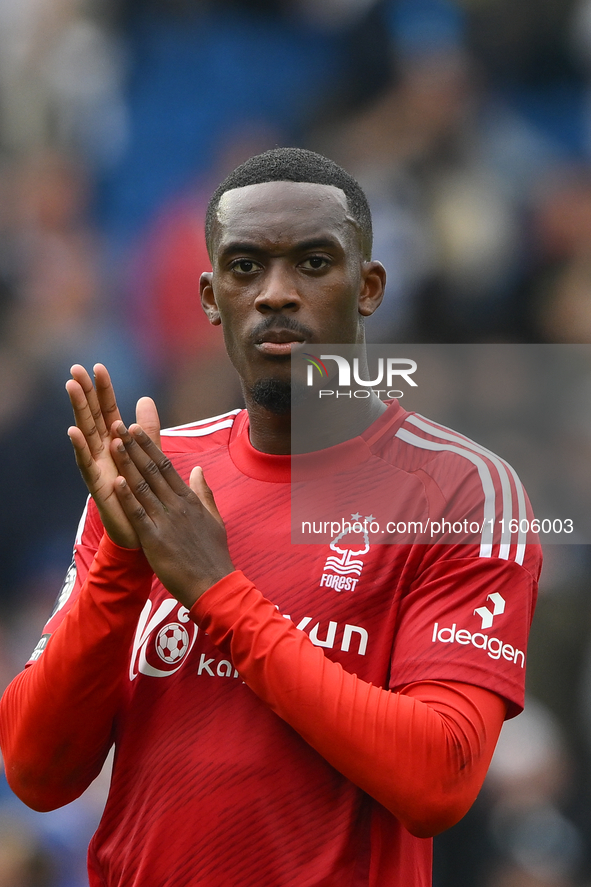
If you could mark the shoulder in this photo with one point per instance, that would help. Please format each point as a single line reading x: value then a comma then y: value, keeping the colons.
x: 448, y: 457
x: 479, y: 495
x: 200, y: 436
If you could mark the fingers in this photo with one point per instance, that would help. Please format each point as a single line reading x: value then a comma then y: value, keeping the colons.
x: 146, y: 415
x: 142, y: 463
x: 202, y: 491
x: 87, y: 411
x: 134, y: 511
x: 105, y: 395
x: 151, y: 503
x: 84, y: 460
x: 95, y: 406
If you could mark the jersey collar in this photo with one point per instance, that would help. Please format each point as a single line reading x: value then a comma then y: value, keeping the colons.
x: 277, y: 469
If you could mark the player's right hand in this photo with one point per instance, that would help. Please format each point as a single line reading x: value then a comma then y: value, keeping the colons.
x: 95, y: 410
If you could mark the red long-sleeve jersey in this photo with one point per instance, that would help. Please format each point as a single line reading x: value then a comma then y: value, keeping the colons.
x: 254, y: 748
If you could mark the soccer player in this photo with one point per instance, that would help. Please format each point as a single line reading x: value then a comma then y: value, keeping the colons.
x: 272, y: 728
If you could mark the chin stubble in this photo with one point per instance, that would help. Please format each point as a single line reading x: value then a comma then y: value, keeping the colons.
x: 277, y: 395
x: 273, y: 395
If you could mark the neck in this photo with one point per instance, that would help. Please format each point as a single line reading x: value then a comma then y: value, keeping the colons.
x: 269, y: 432
x: 316, y: 425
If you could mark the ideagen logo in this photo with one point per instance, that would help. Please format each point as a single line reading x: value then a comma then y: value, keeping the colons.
x: 395, y: 368
x: 494, y: 647
x: 486, y: 615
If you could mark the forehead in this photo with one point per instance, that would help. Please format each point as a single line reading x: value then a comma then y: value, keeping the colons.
x: 278, y: 212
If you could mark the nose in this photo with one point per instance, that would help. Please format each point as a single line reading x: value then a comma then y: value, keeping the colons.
x: 278, y: 291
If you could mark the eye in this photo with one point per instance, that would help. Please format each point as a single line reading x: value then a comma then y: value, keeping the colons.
x: 315, y: 263
x: 244, y: 266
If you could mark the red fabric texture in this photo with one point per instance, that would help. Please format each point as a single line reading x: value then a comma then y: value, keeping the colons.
x: 422, y: 752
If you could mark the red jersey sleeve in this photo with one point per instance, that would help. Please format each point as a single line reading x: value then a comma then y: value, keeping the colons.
x: 422, y: 752
x: 467, y: 619
x: 466, y: 611
x: 88, y: 536
x: 56, y: 717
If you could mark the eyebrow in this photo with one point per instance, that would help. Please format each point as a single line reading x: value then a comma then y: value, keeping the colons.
x: 301, y: 246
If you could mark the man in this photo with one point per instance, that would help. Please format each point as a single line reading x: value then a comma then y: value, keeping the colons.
x: 268, y: 730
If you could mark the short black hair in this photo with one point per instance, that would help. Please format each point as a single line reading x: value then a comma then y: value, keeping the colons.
x: 295, y: 165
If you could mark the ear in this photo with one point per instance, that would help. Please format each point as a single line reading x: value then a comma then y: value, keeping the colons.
x: 373, y: 284
x: 208, y: 299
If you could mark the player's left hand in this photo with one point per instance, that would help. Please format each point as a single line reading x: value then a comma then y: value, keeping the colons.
x: 179, y: 526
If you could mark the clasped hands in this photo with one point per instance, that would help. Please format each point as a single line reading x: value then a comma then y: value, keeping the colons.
x: 140, y: 497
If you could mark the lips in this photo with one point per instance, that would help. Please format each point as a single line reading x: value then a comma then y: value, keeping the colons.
x: 280, y: 337
x: 278, y: 343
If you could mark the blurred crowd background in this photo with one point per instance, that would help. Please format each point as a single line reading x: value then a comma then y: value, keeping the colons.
x: 468, y: 122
